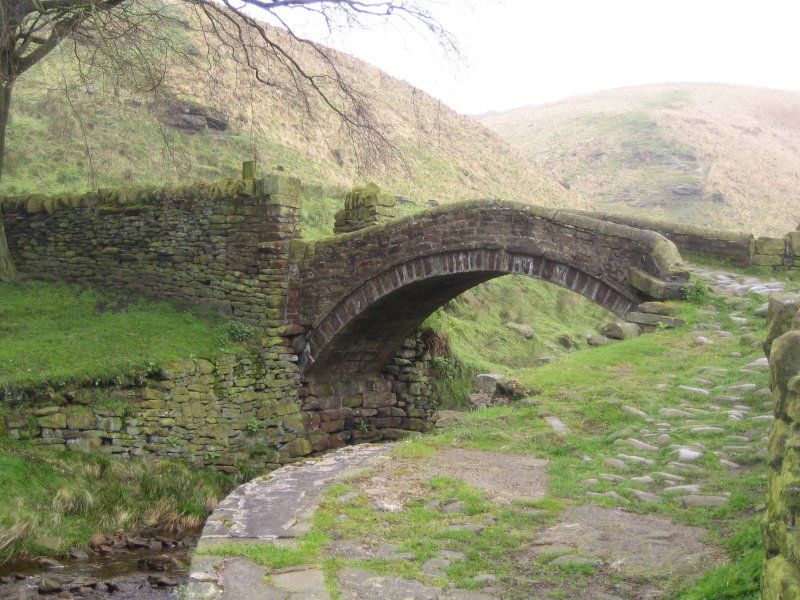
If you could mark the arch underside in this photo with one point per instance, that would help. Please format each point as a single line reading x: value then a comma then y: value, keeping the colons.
x: 360, y: 335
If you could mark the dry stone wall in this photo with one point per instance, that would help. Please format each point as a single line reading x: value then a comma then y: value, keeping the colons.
x: 236, y: 412
x: 232, y: 413
x: 742, y: 249
x: 223, y: 245
x: 781, y: 578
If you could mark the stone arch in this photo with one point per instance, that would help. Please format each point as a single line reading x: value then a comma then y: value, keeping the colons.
x: 354, y: 299
x: 362, y: 331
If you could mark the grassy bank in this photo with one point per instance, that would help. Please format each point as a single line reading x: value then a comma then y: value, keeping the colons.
x: 477, y: 331
x: 592, y: 392
x: 54, y: 501
x: 54, y: 334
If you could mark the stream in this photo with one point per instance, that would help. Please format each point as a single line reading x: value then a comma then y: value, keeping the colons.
x: 123, y: 567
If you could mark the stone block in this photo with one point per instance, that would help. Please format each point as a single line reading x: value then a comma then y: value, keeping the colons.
x: 782, y: 310
x: 378, y: 399
x: 205, y: 367
x: 298, y: 447
x: 793, y: 243
x: 57, y: 420
x: 81, y: 420
x: 352, y: 401
x: 770, y: 246
x: 767, y: 260
x: 620, y: 330
x: 657, y: 288
x: 658, y: 308
x: 654, y: 320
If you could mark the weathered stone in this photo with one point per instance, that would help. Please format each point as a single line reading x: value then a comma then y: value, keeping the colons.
x: 81, y: 420
x: 782, y: 310
x: 658, y: 308
x: 770, y: 246
x: 598, y: 340
x: 298, y: 447
x: 654, y: 320
x: 703, y: 501
x: 621, y: 331
x: 525, y: 331
x: 56, y: 420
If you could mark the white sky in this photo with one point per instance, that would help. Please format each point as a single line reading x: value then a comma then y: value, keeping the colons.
x: 520, y: 52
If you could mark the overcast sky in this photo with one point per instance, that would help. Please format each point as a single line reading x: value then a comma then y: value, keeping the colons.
x: 520, y: 52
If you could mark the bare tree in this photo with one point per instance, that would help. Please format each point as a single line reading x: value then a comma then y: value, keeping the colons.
x: 120, y: 36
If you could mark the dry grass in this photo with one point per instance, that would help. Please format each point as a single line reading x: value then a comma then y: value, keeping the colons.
x: 627, y: 149
x: 442, y: 155
x: 69, y: 496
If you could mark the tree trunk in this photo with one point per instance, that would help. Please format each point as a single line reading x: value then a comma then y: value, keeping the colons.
x: 7, y: 270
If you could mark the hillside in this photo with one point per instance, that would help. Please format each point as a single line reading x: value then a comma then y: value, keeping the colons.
x: 204, y: 123
x: 708, y: 154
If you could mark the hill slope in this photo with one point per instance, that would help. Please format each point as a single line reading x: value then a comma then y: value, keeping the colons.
x: 70, y: 132
x: 712, y: 154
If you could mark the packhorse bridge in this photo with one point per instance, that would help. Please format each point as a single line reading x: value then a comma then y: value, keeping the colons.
x: 334, y: 364
x: 359, y: 295
x: 336, y: 361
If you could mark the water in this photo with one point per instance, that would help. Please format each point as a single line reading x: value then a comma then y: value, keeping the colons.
x: 124, y: 574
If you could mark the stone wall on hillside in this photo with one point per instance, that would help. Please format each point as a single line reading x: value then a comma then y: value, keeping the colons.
x: 223, y: 245
x: 231, y: 413
x: 735, y: 247
x: 741, y: 249
x: 227, y: 246
x: 781, y: 578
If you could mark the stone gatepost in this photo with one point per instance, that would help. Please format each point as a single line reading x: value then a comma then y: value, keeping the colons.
x: 364, y: 206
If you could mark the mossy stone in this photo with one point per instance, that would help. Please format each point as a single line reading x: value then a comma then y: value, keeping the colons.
x: 53, y: 421
x: 770, y: 246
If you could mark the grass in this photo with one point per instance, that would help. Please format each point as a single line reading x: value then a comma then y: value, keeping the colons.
x: 111, y: 136
x: 53, y: 334
x: 55, y: 500
x: 738, y: 580
x: 475, y: 323
x: 587, y: 390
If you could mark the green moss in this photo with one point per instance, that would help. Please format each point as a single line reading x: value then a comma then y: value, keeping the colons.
x: 60, y: 334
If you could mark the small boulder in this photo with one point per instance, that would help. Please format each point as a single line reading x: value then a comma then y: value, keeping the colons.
x: 566, y: 342
x: 49, y: 586
x: 598, y: 340
x: 658, y: 308
x: 487, y: 382
x: 620, y: 330
x: 525, y: 331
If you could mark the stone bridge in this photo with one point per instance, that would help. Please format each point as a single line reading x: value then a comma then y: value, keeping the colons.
x: 357, y: 296
x: 336, y: 364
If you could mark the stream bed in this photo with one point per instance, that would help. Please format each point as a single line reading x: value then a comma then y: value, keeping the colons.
x: 122, y: 567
